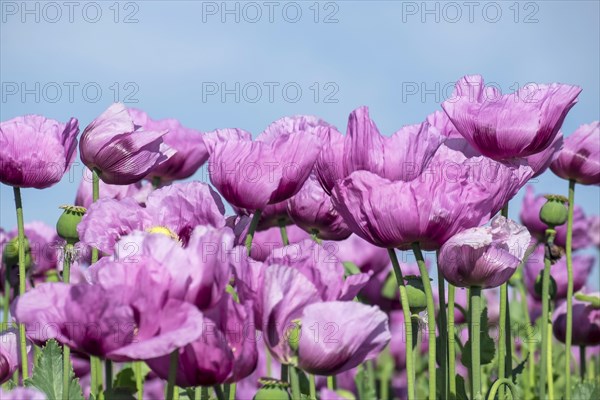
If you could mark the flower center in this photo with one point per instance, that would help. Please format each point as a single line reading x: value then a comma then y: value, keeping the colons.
x: 163, y: 230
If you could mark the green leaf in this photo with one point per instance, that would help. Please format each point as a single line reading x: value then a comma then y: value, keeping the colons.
x: 461, y: 391
x: 518, y: 369
x: 125, y: 379
x: 48, y: 374
x: 487, y: 345
x: 586, y: 391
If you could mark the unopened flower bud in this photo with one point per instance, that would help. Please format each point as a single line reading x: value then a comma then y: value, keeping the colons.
x: 554, y: 212
x: 66, y: 226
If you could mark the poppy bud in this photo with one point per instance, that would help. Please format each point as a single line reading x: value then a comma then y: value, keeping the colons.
x: 66, y: 226
x: 554, y: 212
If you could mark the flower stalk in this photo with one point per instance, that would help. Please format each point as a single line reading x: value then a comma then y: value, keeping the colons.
x: 410, y: 369
x: 569, y: 255
x: 252, y: 230
x: 22, y: 286
x: 475, y: 337
x: 430, y: 318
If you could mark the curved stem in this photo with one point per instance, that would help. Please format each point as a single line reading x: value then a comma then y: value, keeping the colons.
x: 497, y: 384
x: 451, y: 343
x: 569, y: 335
x: 430, y: 318
x: 545, y: 311
x: 475, y: 338
x: 173, y: 363
x: 295, y: 381
x: 410, y: 368
x: 251, y: 230
x: 22, y: 286
x: 95, y: 197
x: 66, y: 350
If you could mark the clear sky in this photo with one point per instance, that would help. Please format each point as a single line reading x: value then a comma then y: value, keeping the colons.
x: 215, y: 64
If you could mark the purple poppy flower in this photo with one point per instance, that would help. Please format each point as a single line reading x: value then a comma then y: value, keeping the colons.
x: 251, y: 174
x: 530, y: 217
x: 225, y: 352
x: 10, y: 359
x: 579, y: 158
x: 402, y: 156
x: 585, y: 317
x: 188, y: 143
x: 138, y: 191
x: 247, y: 388
x: 35, y: 152
x: 484, y: 256
x: 311, y: 209
x: 121, y: 152
x: 114, y: 319
x: 337, y: 336
x: 359, y: 252
x: 174, y: 209
x: 459, y: 193
x: 22, y: 393
x: 582, y: 266
x: 207, y: 252
x: 594, y: 230
x: 285, y: 294
x: 329, y: 166
x: 517, y: 125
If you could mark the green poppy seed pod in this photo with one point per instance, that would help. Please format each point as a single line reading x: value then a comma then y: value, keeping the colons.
x: 538, y: 285
x: 554, y: 212
x: 294, y: 336
x: 10, y: 256
x: 272, y: 390
x: 66, y: 227
x: 416, y: 294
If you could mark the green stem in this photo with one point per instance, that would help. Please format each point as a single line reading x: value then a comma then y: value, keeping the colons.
x: 503, y: 340
x: 295, y: 381
x: 569, y: 248
x: 173, y: 364
x: 68, y: 251
x: 451, y: 344
x: 139, y: 379
x: 502, y: 348
x: 95, y: 197
x: 331, y: 382
x: 384, y: 387
x: 251, y: 230
x: 475, y: 332
x: 582, y: 362
x: 203, y: 393
x: 96, y: 376
x: 22, y: 286
x: 443, y: 335
x: 550, y: 370
x: 530, y: 381
x: 219, y: 392
x: 108, y: 372
x: 410, y: 368
x: 284, y: 235
x: 156, y: 182
x: 232, y: 390
x: 284, y: 373
x: 312, y: 390
x: 545, y: 310
x: 269, y: 363
x: 315, y: 237
x: 6, y: 300
x: 498, y: 383
x: 430, y: 318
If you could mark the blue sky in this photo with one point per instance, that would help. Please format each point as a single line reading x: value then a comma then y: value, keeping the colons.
x: 174, y: 58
